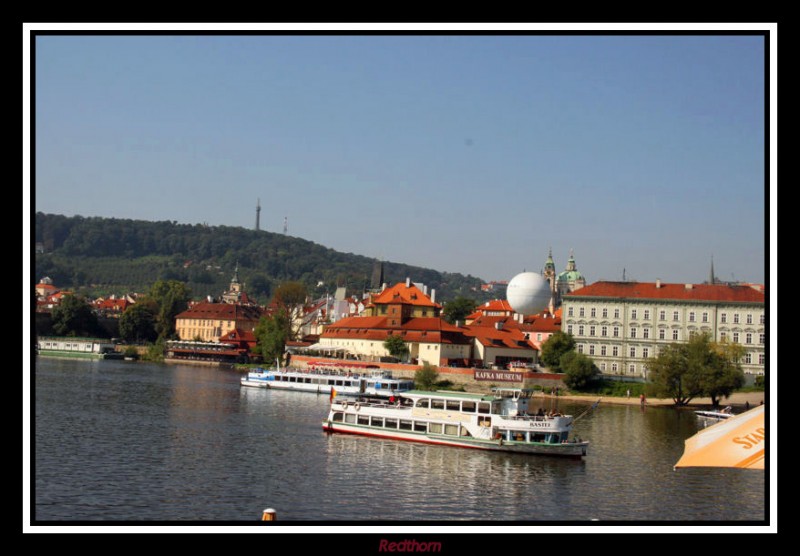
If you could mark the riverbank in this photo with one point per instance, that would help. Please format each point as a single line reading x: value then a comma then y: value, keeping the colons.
x: 737, y: 400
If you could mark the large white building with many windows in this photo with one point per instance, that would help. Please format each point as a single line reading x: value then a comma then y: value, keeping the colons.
x: 620, y: 324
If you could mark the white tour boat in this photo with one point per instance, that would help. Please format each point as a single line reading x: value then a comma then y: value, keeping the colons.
x: 324, y: 380
x: 497, y: 422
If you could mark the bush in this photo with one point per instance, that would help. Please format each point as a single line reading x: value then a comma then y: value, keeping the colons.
x: 426, y: 376
x: 580, y: 370
x: 131, y: 352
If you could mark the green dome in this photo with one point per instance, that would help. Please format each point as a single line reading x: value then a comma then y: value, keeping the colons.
x: 570, y: 276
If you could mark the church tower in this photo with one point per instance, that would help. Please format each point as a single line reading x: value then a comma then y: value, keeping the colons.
x: 549, y: 274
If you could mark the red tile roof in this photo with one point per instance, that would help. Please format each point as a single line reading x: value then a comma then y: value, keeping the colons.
x: 420, y: 329
x: 221, y: 311
x: 407, y: 295
x: 649, y: 290
x: 508, y: 337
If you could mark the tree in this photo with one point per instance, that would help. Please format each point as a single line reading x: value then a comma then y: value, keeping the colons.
x: 171, y: 297
x: 137, y: 323
x: 580, y: 370
x: 425, y: 377
x: 554, y: 348
x: 290, y: 294
x: 271, y: 336
x: 74, y: 317
x: 458, y: 309
x: 699, y: 367
x: 396, y: 346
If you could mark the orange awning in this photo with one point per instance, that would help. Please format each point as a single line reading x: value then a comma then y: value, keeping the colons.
x: 735, y: 442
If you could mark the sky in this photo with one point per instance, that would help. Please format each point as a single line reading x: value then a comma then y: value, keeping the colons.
x: 643, y: 155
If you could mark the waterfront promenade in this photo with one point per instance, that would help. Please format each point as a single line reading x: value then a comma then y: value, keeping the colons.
x: 737, y: 400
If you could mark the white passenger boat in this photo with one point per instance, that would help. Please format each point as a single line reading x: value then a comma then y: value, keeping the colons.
x: 324, y: 380
x: 499, y: 422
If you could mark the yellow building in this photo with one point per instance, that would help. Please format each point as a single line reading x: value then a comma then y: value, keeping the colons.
x: 210, y: 321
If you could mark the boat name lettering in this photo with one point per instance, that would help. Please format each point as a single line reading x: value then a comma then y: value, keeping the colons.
x: 750, y: 440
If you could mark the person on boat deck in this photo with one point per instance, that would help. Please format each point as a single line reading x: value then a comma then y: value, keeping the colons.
x: 392, y: 399
x: 540, y: 413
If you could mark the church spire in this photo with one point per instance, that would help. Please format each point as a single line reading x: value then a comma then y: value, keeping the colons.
x: 711, y: 278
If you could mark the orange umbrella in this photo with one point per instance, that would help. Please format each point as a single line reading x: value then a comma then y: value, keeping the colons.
x: 735, y: 442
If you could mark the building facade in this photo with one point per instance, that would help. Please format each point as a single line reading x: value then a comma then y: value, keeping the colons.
x: 620, y: 325
x: 208, y: 322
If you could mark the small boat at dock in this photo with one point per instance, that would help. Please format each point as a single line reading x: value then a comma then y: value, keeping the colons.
x: 379, y: 383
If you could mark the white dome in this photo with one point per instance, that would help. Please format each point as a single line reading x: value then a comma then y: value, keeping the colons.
x: 528, y: 293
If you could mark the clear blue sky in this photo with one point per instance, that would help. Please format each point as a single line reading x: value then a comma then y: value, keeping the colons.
x: 471, y: 154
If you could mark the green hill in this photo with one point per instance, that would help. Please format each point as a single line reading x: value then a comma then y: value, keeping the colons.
x: 100, y: 256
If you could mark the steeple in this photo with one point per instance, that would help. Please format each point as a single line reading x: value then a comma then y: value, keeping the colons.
x: 571, y: 261
x: 711, y: 278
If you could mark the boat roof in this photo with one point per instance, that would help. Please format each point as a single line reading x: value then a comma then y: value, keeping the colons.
x: 449, y: 394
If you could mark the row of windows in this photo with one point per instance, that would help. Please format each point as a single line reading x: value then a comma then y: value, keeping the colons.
x: 662, y: 333
x: 662, y: 315
x: 645, y: 353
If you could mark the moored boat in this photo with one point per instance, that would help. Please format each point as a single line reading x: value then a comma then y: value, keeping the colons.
x: 324, y: 380
x: 498, y: 422
x: 711, y: 416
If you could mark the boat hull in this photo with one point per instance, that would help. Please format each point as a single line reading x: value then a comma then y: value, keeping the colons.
x: 567, y: 449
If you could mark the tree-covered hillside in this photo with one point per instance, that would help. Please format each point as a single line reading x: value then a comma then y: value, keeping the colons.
x: 108, y: 255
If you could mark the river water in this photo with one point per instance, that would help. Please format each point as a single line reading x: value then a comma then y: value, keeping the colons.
x: 117, y: 441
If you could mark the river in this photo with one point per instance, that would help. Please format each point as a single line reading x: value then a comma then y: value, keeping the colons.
x: 117, y: 441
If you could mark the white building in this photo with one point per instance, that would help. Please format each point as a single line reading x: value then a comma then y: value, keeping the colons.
x: 620, y: 324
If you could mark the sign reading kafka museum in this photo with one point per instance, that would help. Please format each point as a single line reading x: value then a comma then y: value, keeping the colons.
x: 498, y: 376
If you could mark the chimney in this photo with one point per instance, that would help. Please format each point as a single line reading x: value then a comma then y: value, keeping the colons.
x: 408, y: 282
x: 424, y: 289
x: 433, y: 295
x: 658, y: 283
x: 384, y: 286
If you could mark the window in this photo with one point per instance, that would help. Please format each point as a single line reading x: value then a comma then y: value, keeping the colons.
x: 761, y: 339
x: 662, y: 334
x: 437, y: 404
x: 613, y: 367
x: 633, y: 332
x: 593, y: 312
x: 735, y: 337
x: 647, y: 314
x: 723, y: 317
x: 569, y: 312
x: 761, y: 319
x: 748, y: 358
x: 603, y: 367
x: 484, y: 407
x: 645, y: 333
x: 736, y: 318
x: 675, y: 315
x: 468, y: 407
x: 633, y: 313
x: 675, y: 334
x: 602, y: 350
x: 615, y: 351
x: 350, y: 418
x: 591, y: 331
x: 748, y: 338
x: 605, y: 312
x: 453, y: 405
x: 435, y: 428
x: 760, y: 358
x: 569, y: 329
x: 591, y: 349
x: 581, y: 312
x: 451, y: 430
x: 580, y: 348
x: 420, y: 426
x: 616, y: 331
x: 604, y: 331
x: 616, y: 313
x: 423, y: 402
x: 691, y: 316
x: 538, y: 337
x: 662, y: 315
x: 406, y: 425
x: 580, y: 330
x: 633, y: 351
x: 645, y: 353
x: 749, y: 319
x: 723, y: 336
x: 390, y: 423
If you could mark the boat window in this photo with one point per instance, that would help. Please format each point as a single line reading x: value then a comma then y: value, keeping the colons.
x: 484, y: 407
x: 377, y: 421
x: 337, y: 416
x: 435, y: 428
x: 420, y: 426
x: 451, y: 429
x: 437, y: 404
x: 424, y: 402
x: 391, y: 423
x: 519, y: 436
x: 468, y: 407
x: 363, y: 420
x: 405, y: 425
x: 453, y: 405
x: 349, y: 417
x: 307, y: 380
x: 495, y: 407
x: 338, y: 383
x: 538, y: 437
